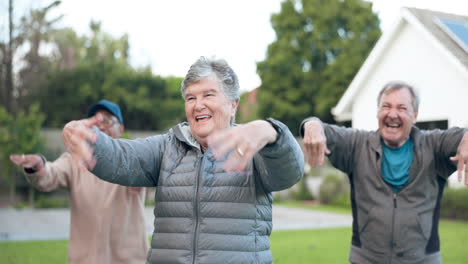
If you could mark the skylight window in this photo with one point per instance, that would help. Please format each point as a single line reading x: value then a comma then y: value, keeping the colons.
x: 457, y: 30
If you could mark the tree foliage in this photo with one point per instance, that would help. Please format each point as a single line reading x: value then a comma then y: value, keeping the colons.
x: 36, y: 28
x: 18, y: 134
x: 19, y: 129
x: 22, y: 72
x: 319, y: 47
x: 90, y: 68
x: 58, y: 74
x: 78, y: 70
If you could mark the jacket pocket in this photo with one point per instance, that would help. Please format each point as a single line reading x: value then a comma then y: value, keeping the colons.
x: 425, y: 223
x: 374, y: 229
x: 414, y: 230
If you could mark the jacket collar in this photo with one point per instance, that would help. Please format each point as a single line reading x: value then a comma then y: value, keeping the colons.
x: 183, y: 133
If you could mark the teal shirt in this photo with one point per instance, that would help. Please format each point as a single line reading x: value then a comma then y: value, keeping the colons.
x: 396, y: 163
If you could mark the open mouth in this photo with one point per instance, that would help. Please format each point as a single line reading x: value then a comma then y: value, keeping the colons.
x: 202, y: 118
x: 392, y: 125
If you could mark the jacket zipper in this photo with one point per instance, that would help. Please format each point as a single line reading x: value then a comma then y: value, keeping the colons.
x: 195, y: 209
x: 392, y: 246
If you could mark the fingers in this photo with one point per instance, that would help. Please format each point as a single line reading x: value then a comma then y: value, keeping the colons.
x: 462, y: 168
x: 92, y: 121
x: 27, y: 161
x: 462, y: 158
x: 78, y: 136
x: 239, y: 158
x: 232, y: 144
x: 466, y: 173
x: 17, y: 159
x: 222, y: 142
x: 76, y: 130
x: 321, y: 153
x: 315, y: 143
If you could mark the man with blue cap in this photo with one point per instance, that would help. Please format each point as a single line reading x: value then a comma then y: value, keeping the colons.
x: 107, y: 220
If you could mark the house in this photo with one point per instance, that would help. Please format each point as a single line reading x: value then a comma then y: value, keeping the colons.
x: 423, y: 49
x: 428, y: 50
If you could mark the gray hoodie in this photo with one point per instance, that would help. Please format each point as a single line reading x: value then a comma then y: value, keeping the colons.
x: 388, y: 227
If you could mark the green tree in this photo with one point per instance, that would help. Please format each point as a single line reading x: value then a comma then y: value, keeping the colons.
x: 18, y: 134
x: 37, y: 29
x: 19, y: 129
x: 90, y: 68
x: 148, y: 102
x: 8, y: 47
x: 18, y: 79
x: 319, y: 47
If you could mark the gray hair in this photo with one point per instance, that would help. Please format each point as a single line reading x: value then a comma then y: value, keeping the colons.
x: 397, y: 85
x: 205, y: 68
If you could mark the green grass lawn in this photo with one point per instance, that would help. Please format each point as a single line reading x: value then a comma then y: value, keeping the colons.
x: 332, y: 245
x: 309, y: 206
x: 33, y: 252
x: 303, y: 246
x: 311, y: 246
x: 315, y: 246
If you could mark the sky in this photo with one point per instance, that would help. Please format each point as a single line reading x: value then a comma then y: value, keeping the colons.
x: 169, y: 35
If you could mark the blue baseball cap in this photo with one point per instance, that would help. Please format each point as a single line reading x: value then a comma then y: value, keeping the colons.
x: 113, y: 108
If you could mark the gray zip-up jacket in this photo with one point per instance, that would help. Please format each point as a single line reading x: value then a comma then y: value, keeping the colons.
x: 202, y: 213
x: 388, y: 227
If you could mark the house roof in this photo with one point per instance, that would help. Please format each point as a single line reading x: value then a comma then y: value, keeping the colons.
x: 424, y: 20
x: 429, y: 20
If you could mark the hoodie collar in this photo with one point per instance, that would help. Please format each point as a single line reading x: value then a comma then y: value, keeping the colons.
x: 375, y: 139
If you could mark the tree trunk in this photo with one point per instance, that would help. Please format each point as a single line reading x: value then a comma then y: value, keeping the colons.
x: 9, y: 62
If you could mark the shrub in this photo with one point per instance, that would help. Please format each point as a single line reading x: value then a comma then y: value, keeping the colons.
x: 302, y: 193
x: 454, y: 204
x: 48, y: 201
x: 331, y: 188
x: 342, y: 200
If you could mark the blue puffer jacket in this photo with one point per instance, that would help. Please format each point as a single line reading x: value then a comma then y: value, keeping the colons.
x: 203, y: 214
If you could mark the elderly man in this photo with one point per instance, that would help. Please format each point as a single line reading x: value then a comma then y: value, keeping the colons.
x: 397, y: 177
x: 107, y: 220
x: 214, y: 180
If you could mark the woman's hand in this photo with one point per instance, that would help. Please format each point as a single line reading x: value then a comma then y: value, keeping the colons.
x: 241, y: 142
x: 78, y: 137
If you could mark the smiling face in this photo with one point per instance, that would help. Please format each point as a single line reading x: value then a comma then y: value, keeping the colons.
x: 396, y: 117
x: 110, y: 124
x: 207, y: 109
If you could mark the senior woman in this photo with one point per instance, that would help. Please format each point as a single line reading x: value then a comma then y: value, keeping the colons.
x: 214, y: 179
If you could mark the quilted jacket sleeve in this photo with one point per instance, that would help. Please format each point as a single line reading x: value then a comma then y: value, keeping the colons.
x: 282, y: 162
x: 129, y: 162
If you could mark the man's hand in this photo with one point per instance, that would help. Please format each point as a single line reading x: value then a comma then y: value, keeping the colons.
x: 78, y: 137
x: 31, y: 161
x: 242, y: 142
x: 462, y: 158
x: 315, y: 143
